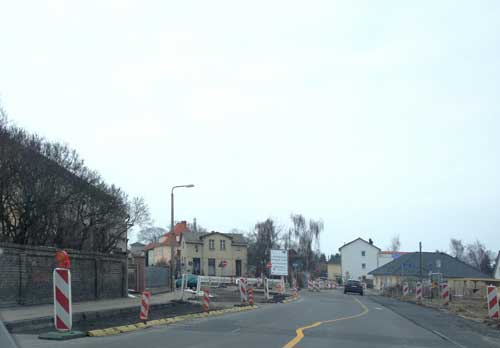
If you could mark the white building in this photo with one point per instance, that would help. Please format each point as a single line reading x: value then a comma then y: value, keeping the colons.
x: 388, y: 256
x: 358, y: 258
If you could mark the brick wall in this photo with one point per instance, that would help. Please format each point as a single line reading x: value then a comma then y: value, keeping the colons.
x: 26, y: 275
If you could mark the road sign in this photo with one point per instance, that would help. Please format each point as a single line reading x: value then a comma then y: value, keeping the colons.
x: 279, y: 262
x: 223, y: 264
x: 269, y: 265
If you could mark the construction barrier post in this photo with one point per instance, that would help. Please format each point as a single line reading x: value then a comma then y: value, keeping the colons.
x: 266, y: 288
x: 406, y: 289
x: 243, y: 289
x: 62, y: 299
x: 493, y: 302
x: 206, y: 299
x: 445, y: 294
x: 418, y: 291
x: 146, y: 297
x: 250, y: 297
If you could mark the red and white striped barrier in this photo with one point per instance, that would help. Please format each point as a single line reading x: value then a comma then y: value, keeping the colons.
x: 310, y: 285
x: 406, y: 289
x: 418, y: 291
x: 493, y: 302
x: 251, y: 299
x: 266, y: 288
x: 62, y: 299
x: 316, y: 285
x: 146, y: 297
x: 243, y: 289
x: 445, y: 294
x: 206, y: 300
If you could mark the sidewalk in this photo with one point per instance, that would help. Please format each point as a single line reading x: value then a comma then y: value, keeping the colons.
x: 42, y: 311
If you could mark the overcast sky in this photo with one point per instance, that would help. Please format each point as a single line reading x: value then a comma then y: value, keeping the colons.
x: 379, y: 117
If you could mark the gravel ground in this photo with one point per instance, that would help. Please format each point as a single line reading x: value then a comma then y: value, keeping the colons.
x: 468, y: 332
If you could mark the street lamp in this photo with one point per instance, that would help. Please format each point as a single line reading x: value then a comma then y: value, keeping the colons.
x: 173, y: 239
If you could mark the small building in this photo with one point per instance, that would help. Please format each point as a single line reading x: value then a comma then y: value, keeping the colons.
x: 359, y: 257
x: 385, y: 257
x: 334, y: 271
x: 214, y: 253
x: 159, y: 253
x: 435, y: 266
x: 137, y: 248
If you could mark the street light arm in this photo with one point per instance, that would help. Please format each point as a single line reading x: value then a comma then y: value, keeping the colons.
x: 174, y: 187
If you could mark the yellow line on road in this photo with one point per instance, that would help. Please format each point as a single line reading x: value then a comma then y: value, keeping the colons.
x: 300, y: 330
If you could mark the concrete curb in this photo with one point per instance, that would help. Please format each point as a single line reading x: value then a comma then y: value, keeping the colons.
x: 41, y: 323
x: 291, y: 300
x: 167, y: 321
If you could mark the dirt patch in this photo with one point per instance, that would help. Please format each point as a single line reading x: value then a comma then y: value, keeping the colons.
x: 475, y: 309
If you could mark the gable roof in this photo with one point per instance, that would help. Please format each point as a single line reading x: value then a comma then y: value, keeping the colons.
x: 197, y: 237
x: 361, y: 239
x: 409, y: 265
x: 137, y: 244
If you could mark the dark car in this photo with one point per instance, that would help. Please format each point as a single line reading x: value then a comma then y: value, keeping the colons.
x: 353, y: 286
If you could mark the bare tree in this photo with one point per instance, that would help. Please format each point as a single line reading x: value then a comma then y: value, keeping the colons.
x: 151, y: 234
x: 457, y: 249
x: 479, y: 257
x: 49, y: 197
x: 265, y: 237
x: 395, y: 243
x: 307, y: 237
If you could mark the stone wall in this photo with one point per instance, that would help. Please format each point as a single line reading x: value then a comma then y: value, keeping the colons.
x: 26, y: 275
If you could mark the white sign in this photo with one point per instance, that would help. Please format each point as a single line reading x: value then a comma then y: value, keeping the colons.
x: 279, y: 262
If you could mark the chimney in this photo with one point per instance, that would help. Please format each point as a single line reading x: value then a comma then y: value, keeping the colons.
x: 370, y: 241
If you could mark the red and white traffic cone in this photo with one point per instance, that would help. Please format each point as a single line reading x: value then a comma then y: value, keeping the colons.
x: 146, y: 297
x: 250, y: 297
x: 493, y: 302
x: 62, y: 299
x: 206, y: 300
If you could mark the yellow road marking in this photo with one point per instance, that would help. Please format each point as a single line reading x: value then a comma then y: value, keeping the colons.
x: 300, y: 330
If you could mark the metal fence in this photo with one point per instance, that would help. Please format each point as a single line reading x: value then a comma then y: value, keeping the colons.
x: 157, y: 277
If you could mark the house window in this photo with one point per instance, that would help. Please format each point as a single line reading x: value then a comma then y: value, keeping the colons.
x: 363, y: 253
x: 222, y: 244
x: 211, y: 244
x: 196, y: 248
x: 211, y: 267
x: 363, y: 265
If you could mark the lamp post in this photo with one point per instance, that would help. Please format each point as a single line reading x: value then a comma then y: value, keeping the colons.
x: 173, y: 239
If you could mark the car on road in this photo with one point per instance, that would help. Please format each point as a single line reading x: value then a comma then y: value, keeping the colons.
x: 353, y: 286
x: 191, y: 282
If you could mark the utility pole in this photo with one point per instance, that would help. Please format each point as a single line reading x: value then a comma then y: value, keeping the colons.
x: 420, y: 259
x: 172, y: 237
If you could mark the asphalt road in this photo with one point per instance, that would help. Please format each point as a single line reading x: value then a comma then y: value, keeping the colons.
x: 318, y: 320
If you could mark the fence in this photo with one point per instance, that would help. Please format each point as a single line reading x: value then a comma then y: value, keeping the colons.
x: 157, y: 277
x: 26, y: 275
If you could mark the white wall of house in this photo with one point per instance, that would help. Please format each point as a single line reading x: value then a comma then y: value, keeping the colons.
x: 359, y: 258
